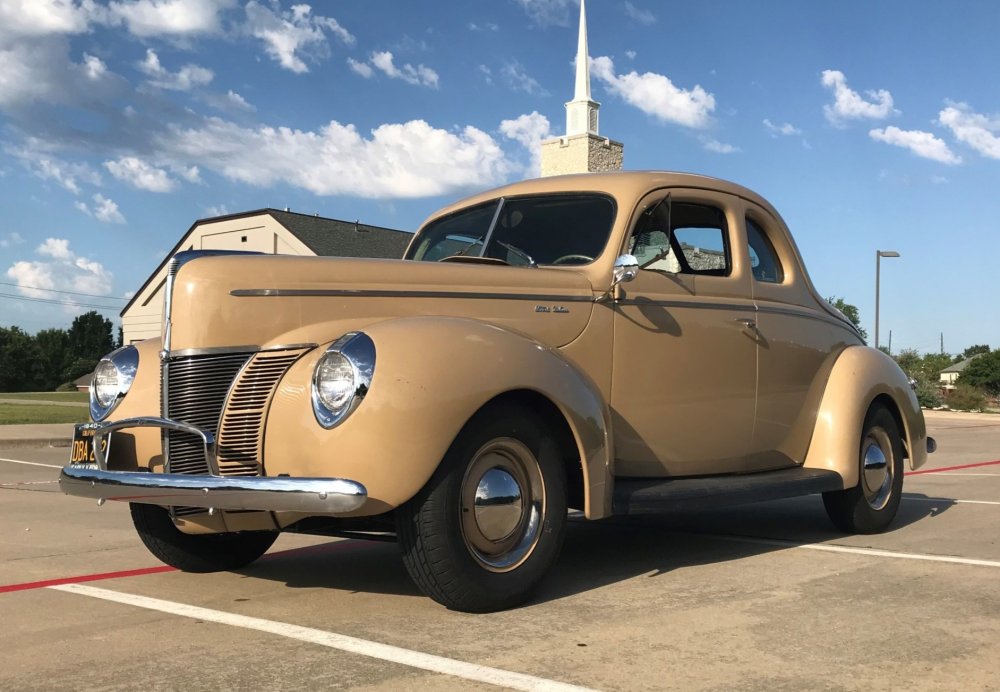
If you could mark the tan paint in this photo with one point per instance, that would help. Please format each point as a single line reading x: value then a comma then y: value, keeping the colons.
x: 471, y: 332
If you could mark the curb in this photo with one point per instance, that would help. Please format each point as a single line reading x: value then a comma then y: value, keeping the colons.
x: 36, y: 443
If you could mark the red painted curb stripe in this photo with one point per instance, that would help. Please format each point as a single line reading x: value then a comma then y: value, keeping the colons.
x: 27, y: 586
x: 953, y: 468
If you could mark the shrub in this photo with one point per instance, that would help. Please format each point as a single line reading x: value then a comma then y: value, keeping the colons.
x: 966, y: 398
x: 928, y: 395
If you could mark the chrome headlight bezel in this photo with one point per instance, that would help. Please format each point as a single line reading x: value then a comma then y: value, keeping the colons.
x: 358, y: 351
x: 125, y: 363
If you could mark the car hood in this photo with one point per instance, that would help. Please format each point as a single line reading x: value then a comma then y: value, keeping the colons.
x: 267, y: 301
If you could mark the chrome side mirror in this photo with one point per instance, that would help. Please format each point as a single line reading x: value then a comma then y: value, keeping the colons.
x: 626, y: 269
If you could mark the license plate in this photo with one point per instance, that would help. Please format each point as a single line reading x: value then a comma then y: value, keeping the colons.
x: 82, y: 451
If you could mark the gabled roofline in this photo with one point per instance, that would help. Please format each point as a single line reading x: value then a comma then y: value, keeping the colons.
x: 232, y: 217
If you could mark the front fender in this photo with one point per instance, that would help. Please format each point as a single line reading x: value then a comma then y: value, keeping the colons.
x: 431, y: 375
x: 859, y: 377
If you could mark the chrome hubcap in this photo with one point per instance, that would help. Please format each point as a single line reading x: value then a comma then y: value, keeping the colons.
x: 877, y: 468
x: 503, y: 504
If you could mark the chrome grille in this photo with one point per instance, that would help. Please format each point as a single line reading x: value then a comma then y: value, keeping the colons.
x: 195, y: 394
x: 241, y: 435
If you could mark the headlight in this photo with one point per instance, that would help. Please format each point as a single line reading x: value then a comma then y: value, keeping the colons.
x: 342, y: 378
x: 113, y: 377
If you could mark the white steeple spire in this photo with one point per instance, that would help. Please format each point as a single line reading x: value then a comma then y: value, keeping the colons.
x: 581, y: 112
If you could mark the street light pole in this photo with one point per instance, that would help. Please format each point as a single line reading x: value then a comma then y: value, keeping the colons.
x: 879, y: 254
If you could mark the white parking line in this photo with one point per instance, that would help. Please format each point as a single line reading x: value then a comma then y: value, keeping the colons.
x: 909, y: 498
x: 871, y: 552
x: 992, y: 475
x: 31, y: 463
x: 385, y: 652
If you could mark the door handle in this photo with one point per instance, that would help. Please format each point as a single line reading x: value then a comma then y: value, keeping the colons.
x: 747, y: 322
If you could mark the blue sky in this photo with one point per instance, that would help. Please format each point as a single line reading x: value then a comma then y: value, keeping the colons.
x: 869, y: 125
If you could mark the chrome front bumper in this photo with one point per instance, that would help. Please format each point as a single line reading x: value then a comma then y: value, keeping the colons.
x: 275, y: 494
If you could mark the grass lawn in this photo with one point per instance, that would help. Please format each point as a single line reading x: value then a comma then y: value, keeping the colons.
x: 17, y: 414
x: 77, y: 397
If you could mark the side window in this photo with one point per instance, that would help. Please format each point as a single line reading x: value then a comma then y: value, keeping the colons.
x: 763, y: 259
x: 696, y: 241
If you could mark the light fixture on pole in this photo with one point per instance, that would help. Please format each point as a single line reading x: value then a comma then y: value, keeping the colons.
x: 879, y: 254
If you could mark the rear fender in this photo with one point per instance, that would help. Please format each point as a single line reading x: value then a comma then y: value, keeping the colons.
x: 431, y: 375
x: 861, y: 376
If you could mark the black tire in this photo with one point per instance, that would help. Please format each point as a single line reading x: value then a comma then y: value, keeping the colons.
x: 488, y: 556
x: 216, y: 552
x: 871, y: 505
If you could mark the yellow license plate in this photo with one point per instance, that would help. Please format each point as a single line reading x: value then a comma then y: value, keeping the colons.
x: 82, y: 451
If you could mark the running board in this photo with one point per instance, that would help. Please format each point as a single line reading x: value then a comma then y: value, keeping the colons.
x: 657, y: 495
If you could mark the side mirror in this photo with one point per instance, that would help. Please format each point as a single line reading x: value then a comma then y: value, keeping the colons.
x: 626, y: 269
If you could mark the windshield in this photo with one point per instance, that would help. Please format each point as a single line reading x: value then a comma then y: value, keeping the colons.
x: 552, y: 229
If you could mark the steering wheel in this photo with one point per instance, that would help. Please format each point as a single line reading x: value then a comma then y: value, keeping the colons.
x: 566, y: 259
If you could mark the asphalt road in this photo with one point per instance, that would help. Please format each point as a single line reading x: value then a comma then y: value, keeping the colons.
x: 764, y: 596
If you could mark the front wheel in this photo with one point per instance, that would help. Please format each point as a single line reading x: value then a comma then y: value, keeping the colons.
x: 871, y: 505
x: 214, y: 552
x: 489, y: 524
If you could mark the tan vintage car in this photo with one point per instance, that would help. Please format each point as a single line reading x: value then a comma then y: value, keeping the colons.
x: 620, y: 343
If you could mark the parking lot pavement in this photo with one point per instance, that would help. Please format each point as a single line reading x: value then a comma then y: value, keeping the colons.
x: 762, y: 596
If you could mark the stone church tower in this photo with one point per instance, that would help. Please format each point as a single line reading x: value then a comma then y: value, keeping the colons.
x: 581, y: 149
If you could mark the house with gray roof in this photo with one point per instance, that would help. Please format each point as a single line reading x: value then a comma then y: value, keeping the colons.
x: 948, y: 376
x: 270, y: 231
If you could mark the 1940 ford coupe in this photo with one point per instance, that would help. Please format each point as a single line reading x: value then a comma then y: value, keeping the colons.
x: 620, y: 343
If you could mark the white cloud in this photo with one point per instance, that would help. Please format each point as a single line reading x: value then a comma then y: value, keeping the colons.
x: 718, y: 147
x: 487, y: 74
x: 486, y: 26
x: 216, y: 210
x: 519, y: 80
x: 238, y: 101
x: 923, y: 144
x: 192, y: 174
x: 42, y: 17
x: 289, y: 35
x: 40, y: 70
x: 785, y: 130
x: 59, y: 269
x: 419, y: 75
x: 188, y: 77
x: 850, y: 105
x: 529, y: 130
x: 630, y: 54
x: 405, y: 160
x: 641, y: 16
x: 978, y: 131
x: 68, y: 175
x: 547, y: 12
x: 11, y: 239
x: 104, y: 209
x: 141, y: 175
x: 656, y: 95
x: 94, y: 67
x: 361, y: 68
x: 145, y: 18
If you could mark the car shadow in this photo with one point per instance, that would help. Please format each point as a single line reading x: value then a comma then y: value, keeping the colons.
x: 599, y: 553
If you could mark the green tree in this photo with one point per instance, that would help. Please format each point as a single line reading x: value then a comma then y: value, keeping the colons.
x: 850, y: 312
x: 53, y: 351
x: 975, y: 351
x: 20, y: 365
x: 90, y: 338
x: 984, y: 373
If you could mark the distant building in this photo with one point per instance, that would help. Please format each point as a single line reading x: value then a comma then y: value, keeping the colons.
x: 265, y: 230
x: 948, y: 376
x: 582, y: 149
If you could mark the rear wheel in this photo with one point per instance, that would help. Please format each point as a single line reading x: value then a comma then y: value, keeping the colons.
x: 215, y: 552
x: 871, y: 505
x: 489, y: 524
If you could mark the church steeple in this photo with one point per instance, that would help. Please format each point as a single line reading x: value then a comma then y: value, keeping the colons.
x: 581, y: 112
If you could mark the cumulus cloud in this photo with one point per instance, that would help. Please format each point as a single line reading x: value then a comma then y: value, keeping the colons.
x: 67, y: 175
x: 104, y: 209
x: 850, y: 105
x: 238, y: 101
x: 290, y: 36
x: 529, y: 131
x: 717, y: 147
x: 361, y: 68
x: 785, y: 129
x: 637, y: 15
x: 656, y: 95
x: 404, y: 160
x: 40, y: 70
x: 141, y: 175
x: 923, y: 144
x: 42, y: 18
x: 179, y: 18
x: 519, y: 80
x: 188, y: 77
x: 547, y: 12
x: 60, y: 269
x: 419, y: 75
x: 978, y: 131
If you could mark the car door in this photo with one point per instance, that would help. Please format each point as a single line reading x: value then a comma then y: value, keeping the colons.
x: 797, y: 342
x: 684, y: 363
